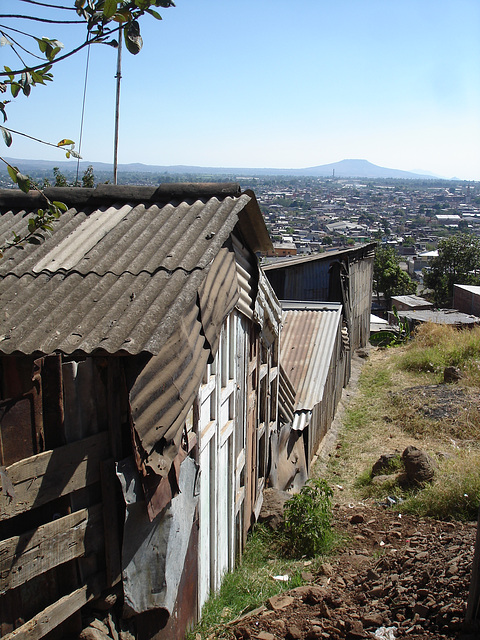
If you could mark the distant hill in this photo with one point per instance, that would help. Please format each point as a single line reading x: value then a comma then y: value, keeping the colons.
x: 361, y: 169
x: 342, y: 169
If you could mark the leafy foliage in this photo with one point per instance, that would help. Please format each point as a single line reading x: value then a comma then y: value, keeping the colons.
x: 36, y: 56
x: 458, y: 262
x: 104, y: 22
x: 307, y: 518
x: 388, y: 277
x: 389, y: 338
x: 40, y: 223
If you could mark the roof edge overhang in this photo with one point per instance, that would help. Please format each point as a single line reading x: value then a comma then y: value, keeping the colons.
x: 252, y: 225
x: 355, y: 253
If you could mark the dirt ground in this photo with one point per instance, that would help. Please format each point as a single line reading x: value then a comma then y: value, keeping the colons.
x: 397, y: 577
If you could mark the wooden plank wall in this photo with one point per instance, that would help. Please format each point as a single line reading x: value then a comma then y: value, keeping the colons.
x: 54, y: 508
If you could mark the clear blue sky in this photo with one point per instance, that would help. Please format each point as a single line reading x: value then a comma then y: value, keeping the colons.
x: 271, y: 83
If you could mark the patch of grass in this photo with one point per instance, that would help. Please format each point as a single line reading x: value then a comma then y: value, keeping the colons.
x: 454, y: 493
x: 375, y: 381
x: 266, y: 554
x: 438, y: 346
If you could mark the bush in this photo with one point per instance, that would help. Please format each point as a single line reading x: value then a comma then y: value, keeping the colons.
x: 307, y: 519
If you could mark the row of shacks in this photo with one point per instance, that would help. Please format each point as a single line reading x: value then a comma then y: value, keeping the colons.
x: 151, y: 387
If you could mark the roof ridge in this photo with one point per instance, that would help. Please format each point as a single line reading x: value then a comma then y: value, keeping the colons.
x: 108, y: 193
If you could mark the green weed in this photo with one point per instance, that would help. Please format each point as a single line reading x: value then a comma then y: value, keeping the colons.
x: 307, y: 519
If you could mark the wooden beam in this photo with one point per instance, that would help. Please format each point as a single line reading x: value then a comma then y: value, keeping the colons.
x: 39, y: 479
x: 111, y: 525
x: 26, y: 556
x: 56, y: 613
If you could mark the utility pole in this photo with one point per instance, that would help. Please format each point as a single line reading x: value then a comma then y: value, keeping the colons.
x: 117, y: 107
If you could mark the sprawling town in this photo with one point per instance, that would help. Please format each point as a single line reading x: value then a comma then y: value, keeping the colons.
x: 306, y: 216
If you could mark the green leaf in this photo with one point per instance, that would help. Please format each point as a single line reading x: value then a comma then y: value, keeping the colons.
x: 23, y: 182
x: 133, y: 39
x: 15, y: 89
x: 60, y: 205
x: 154, y: 13
x: 65, y: 142
x: 7, y: 136
x: 12, y: 172
x: 42, y: 45
x: 109, y: 8
x: 32, y: 226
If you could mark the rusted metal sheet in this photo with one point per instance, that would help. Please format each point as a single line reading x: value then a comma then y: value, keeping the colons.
x: 339, y: 276
x: 308, y: 340
x: 17, y: 435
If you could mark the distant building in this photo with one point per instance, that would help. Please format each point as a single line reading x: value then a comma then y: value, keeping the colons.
x: 466, y: 298
x: 282, y: 249
x: 406, y: 303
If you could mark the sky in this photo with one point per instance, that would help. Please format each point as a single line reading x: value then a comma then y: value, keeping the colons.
x: 270, y: 83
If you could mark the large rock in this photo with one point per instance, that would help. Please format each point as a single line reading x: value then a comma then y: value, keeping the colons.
x: 419, y: 467
x: 385, y: 464
x: 271, y: 512
x: 451, y: 374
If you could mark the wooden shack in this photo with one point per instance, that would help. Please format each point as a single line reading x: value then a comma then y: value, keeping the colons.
x: 140, y: 375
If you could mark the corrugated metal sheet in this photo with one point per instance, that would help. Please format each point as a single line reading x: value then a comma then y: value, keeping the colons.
x: 308, y: 339
x: 339, y: 276
x: 112, y: 287
x: 150, y: 279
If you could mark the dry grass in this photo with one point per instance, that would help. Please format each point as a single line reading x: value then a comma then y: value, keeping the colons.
x: 402, y: 400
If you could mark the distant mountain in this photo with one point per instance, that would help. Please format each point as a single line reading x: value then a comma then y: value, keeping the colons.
x: 360, y: 169
x: 342, y: 169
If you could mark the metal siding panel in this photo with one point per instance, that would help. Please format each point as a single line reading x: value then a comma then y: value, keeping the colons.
x: 308, y: 340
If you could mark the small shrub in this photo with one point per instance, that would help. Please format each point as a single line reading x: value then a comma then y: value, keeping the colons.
x: 307, y: 517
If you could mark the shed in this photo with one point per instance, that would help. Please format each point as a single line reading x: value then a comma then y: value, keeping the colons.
x: 438, y: 316
x: 466, y: 298
x: 139, y: 383
x: 337, y: 276
x: 315, y: 357
x: 405, y: 303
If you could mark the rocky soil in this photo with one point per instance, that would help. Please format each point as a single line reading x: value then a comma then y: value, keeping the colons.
x: 397, y: 577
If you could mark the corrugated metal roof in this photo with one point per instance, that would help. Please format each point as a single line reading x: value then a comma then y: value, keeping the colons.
x: 471, y: 288
x: 440, y: 316
x: 115, y: 278
x: 308, y: 340
x: 412, y: 301
x: 358, y: 252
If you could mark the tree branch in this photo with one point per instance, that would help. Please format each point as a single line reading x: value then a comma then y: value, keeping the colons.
x: 15, y: 50
x: 36, y: 19
x: 25, y: 135
x: 94, y: 40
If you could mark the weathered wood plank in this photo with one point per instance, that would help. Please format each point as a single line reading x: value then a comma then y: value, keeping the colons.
x: 35, y: 552
x: 57, y: 613
x: 49, y: 475
x: 111, y: 525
